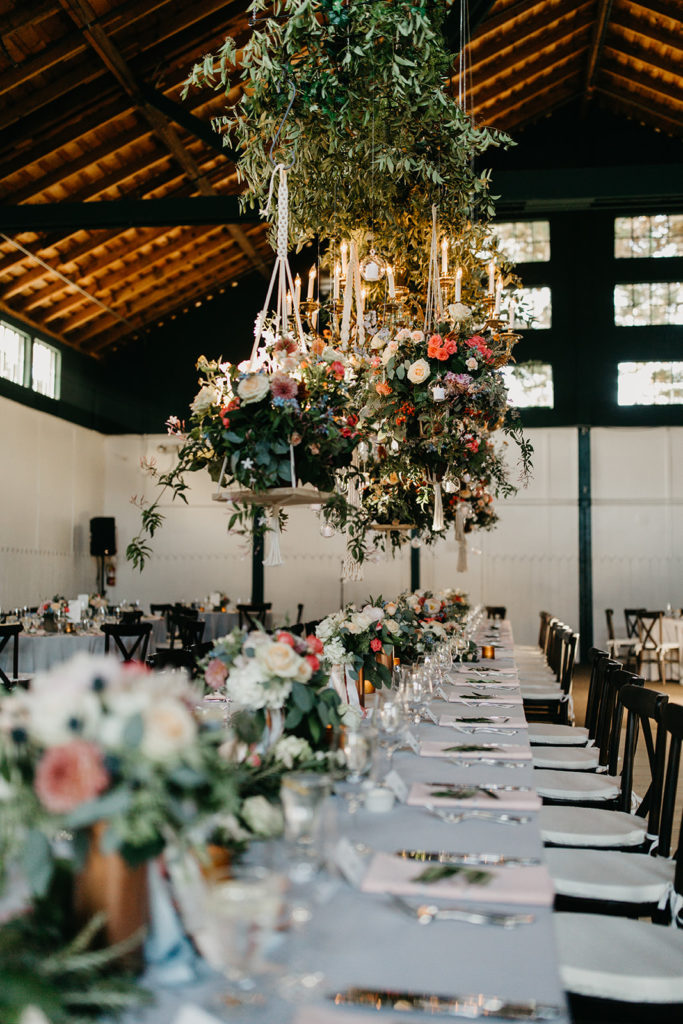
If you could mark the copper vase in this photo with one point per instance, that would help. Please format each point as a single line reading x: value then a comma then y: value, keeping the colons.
x: 108, y: 884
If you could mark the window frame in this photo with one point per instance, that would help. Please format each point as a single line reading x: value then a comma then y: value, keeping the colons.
x: 30, y: 340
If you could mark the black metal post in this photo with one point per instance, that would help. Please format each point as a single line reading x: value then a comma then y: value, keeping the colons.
x: 257, y: 570
x: 585, y: 544
x: 414, y: 565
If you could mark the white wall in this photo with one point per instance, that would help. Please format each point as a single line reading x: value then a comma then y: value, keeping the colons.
x: 57, y: 476
x: 52, y: 476
x: 637, y: 486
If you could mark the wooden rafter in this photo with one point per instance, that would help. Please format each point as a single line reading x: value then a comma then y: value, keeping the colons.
x: 631, y: 76
x: 643, y: 58
x: 83, y: 15
x: 646, y: 113
x: 532, y: 30
x: 596, y: 47
x: 512, y: 80
x: 652, y: 32
x: 509, y: 113
x: 517, y: 51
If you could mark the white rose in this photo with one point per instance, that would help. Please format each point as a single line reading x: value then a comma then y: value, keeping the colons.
x: 353, y: 627
x: 362, y: 621
x: 204, y: 399
x: 390, y: 608
x: 432, y: 605
x: 280, y: 659
x: 253, y: 388
x: 335, y: 652
x: 459, y: 311
x: 418, y: 371
x: 389, y: 351
x: 403, y: 334
x: 262, y: 817
x: 377, y: 342
x: 169, y: 729
x: 471, y: 363
x: 303, y: 672
x: 57, y: 718
x: 33, y: 1015
x: 373, y: 612
x: 393, y: 626
x: 291, y: 749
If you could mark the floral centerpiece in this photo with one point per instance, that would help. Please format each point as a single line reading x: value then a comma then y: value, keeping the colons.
x: 352, y: 639
x: 97, y: 742
x: 279, y: 692
x: 279, y: 421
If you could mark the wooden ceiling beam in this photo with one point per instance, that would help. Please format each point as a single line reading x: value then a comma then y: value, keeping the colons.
x: 29, y: 14
x: 82, y: 14
x: 530, y: 112
x: 542, y: 95
x: 612, y: 86
x: 631, y: 76
x: 89, y: 273
x: 513, y: 80
x: 504, y: 19
x: 630, y: 20
x: 94, y: 342
x: 4, y: 308
x: 544, y: 20
x: 513, y: 54
x: 596, y: 48
x: 661, y: 8
x: 647, y: 114
x: 624, y: 48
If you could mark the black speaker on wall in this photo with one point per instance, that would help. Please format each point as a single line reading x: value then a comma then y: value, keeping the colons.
x: 102, y: 536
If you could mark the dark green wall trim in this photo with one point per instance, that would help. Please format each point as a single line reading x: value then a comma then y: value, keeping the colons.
x: 414, y: 566
x: 585, y: 544
x: 257, y: 570
x: 125, y: 213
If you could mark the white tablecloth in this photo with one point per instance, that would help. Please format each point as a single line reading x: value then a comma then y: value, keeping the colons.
x: 218, y: 623
x: 40, y: 652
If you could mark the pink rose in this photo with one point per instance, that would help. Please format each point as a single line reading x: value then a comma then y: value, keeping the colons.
x: 70, y: 775
x: 286, y: 638
x: 314, y: 644
x: 254, y: 760
x: 376, y: 644
x: 313, y: 662
x: 215, y: 674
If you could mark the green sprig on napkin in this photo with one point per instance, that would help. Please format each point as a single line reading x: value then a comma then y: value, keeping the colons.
x: 463, y: 792
x: 437, y: 872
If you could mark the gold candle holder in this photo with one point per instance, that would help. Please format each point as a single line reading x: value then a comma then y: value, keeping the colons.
x: 309, y: 307
x: 488, y: 651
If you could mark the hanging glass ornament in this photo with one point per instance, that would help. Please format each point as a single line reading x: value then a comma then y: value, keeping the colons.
x: 373, y: 267
x: 326, y: 530
x: 416, y: 543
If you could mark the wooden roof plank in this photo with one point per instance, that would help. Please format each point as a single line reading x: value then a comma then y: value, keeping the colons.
x: 541, y: 19
x: 646, y: 113
x: 630, y: 18
x: 512, y: 52
x: 631, y: 76
x: 511, y: 80
x: 597, y: 44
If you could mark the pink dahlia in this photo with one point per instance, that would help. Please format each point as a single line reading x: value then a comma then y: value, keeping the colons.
x: 283, y: 386
x: 70, y: 775
x: 216, y: 673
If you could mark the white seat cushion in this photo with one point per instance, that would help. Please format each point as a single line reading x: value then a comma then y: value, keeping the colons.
x: 610, y: 875
x: 564, y: 735
x: 615, y: 958
x: 542, y: 693
x: 558, y: 785
x: 578, y: 759
x: 590, y: 826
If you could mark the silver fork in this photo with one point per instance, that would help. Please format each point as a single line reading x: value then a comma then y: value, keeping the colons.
x: 426, y: 913
x: 498, y: 817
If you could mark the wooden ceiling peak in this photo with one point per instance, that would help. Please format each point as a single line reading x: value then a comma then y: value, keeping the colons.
x: 91, y: 110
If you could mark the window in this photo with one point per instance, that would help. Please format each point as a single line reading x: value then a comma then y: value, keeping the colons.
x: 532, y: 308
x: 45, y: 366
x: 13, y: 346
x: 643, y: 305
x: 650, y: 384
x: 524, y: 241
x: 660, y: 235
x: 530, y: 385
x: 28, y: 361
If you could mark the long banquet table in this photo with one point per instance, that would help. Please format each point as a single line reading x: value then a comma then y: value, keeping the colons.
x: 41, y: 651
x: 358, y: 938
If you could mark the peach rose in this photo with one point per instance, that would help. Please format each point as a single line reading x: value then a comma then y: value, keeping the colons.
x: 70, y: 775
x: 216, y: 673
x: 281, y: 659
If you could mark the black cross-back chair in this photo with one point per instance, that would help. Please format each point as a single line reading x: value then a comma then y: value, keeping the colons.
x: 253, y: 616
x: 179, y: 614
x: 299, y: 614
x: 190, y: 631
x: 132, y: 617
x: 545, y: 618
x: 138, y: 633
x: 9, y: 634
x: 631, y: 620
x: 495, y: 611
x: 600, y: 956
x: 553, y: 703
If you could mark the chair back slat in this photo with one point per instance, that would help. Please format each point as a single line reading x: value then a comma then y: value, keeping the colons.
x: 139, y: 633
x: 10, y: 633
x: 190, y: 631
x: 253, y: 616
x: 631, y: 620
x: 594, y: 690
x: 672, y: 721
x: 643, y: 707
x: 609, y: 615
x: 608, y: 694
x: 571, y: 641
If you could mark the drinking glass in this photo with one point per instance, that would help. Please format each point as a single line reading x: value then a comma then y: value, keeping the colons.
x: 302, y: 795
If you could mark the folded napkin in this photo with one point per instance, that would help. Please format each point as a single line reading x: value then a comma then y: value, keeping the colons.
x: 527, y: 886
x: 460, y: 694
x: 449, y: 748
x: 475, y: 670
x: 421, y: 794
x: 505, y: 721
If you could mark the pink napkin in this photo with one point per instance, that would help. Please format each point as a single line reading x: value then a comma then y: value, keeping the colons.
x: 468, y: 716
x: 421, y: 794
x: 529, y: 886
x: 504, y: 752
x: 490, y: 695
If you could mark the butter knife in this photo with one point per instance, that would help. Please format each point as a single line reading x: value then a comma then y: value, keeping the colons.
x: 488, y: 787
x: 470, y: 1007
x: 478, y: 859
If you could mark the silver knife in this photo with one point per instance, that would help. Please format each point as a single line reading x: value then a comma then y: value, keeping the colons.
x: 479, y: 859
x: 490, y: 761
x: 471, y: 1007
x: 489, y: 787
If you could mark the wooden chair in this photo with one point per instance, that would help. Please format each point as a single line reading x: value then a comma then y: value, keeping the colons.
x: 190, y: 631
x: 631, y: 620
x: 138, y: 633
x: 630, y: 970
x: 9, y: 634
x: 495, y: 611
x: 619, y: 647
x: 253, y: 616
x: 651, y: 649
x: 131, y: 617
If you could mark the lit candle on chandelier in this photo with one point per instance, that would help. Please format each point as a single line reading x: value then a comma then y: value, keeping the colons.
x: 444, y: 257
x: 512, y: 309
x: 311, y: 282
x: 297, y: 291
x: 492, y: 277
x: 458, y: 284
x: 391, y: 283
x: 289, y: 303
x: 499, y: 295
x: 362, y: 299
x: 337, y: 279
x: 344, y: 250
